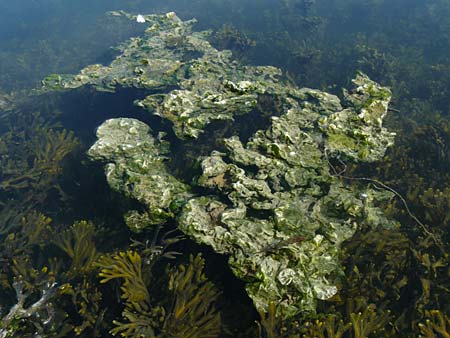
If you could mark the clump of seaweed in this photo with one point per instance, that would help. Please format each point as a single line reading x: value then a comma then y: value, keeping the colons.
x: 192, y: 312
x: 229, y: 37
x: 410, y: 265
x: 436, y: 325
x: 327, y: 327
x: 436, y: 202
x: 369, y: 321
x: 127, y: 266
x: 418, y: 168
x: 378, y: 265
x: 361, y: 320
x: 31, y: 158
x: 28, y: 231
x: 80, y: 292
x: 85, y: 298
x: 188, y: 310
x: 49, y: 287
x: 269, y: 324
x: 78, y: 244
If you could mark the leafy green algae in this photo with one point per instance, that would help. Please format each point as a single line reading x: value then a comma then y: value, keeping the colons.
x: 274, y: 205
x: 360, y: 136
x: 290, y: 255
x: 136, y: 167
x: 200, y: 83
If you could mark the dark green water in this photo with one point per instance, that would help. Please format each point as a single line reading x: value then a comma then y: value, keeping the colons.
x: 394, y: 281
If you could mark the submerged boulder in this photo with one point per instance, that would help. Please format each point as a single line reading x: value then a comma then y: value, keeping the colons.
x: 274, y: 204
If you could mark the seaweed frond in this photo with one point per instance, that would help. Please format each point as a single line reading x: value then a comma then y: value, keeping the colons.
x: 329, y: 327
x: 78, y: 243
x: 27, y: 231
x: 192, y: 313
x: 272, y: 325
x: 269, y: 324
x: 437, y: 326
x: 139, y: 324
x: 187, y: 307
x: 142, y: 319
x: 368, y: 321
x: 86, y: 299
x: 32, y: 157
x: 336, y: 329
x: 127, y: 266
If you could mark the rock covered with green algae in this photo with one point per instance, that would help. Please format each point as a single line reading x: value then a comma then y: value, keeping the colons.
x: 272, y: 204
x: 188, y: 82
x: 276, y: 209
x: 360, y: 136
x: 135, y: 165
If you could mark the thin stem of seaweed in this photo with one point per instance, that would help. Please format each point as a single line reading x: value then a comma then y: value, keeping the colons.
x: 339, y: 174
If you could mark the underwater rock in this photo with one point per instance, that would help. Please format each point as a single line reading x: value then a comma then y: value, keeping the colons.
x: 188, y: 81
x: 135, y: 165
x: 285, y: 214
x: 275, y: 204
x: 360, y: 136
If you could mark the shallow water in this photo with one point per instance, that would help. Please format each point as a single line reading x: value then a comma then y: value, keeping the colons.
x: 58, y: 215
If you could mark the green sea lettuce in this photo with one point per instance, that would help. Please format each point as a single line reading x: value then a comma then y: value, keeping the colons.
x: 274, y: 204
x: 187, y: 81
x: 279, y: 213
x: 360, y: 136
x: 135, y: 165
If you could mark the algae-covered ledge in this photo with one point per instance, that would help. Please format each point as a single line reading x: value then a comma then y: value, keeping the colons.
x: 272, y: 204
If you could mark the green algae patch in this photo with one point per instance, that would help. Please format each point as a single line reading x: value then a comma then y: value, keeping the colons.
x: 135, y: 165
x: 187, y: 81
x: 357, y: 132
x: 273, y: 204
x: 283, y: 221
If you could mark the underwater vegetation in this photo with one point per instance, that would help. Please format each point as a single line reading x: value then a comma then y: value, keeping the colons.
x: 49, y: 272
x: 279, y: 172
x: 361, y: 320
x: 187, y: 310
x: 32, y: 151
x: 437, y: 324
x: 282, y: 249
x: 334, y: 229
x: 230, y: 38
